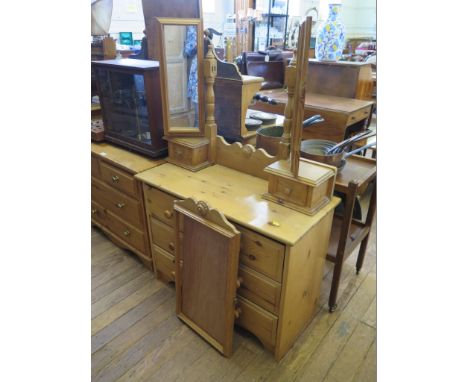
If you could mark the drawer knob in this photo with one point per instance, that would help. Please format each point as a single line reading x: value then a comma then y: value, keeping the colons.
x: 171, y: 246
x: 252, y: 257
x: 287, y: 191
x: 94, y: 211
x: 259, y: 243
x: 168, y: 214
x: 237, y: 311
x: 120, y: 205
x: 239, y: 282
x: 126, y: 233
x: 173, y: 274
x: 115, y: 178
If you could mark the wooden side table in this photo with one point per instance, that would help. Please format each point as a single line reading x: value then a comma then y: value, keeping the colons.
x: 347, y: 232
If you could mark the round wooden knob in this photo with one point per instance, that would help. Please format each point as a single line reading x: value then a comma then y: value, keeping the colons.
x: 168, y: 214
x: 239, y: 282
x: 171, y: 246
x: 237, y: 312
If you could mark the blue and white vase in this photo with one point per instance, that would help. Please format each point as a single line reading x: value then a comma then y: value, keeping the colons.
x: 331, y: 36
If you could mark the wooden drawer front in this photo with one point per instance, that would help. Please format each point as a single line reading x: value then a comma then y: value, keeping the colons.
x: 160, y: 205
x: 258, y: 321
x: 95, y: 167
x: 120, y: 204
x: 126, y: 232
x: 164, y: 262
x: 119, y: 180
x: 359, y: 115
x: 98, y: 213
x: 289, y: 191
x: 262, y: 254
x: 163, y: 235
x: 260, y: 289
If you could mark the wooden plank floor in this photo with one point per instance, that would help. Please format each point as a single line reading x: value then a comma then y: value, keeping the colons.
x: 136, y: 335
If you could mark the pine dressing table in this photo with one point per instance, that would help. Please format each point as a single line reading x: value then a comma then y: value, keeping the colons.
x: 282, y: 251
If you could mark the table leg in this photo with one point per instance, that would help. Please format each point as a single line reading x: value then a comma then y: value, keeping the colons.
x: 369, y: 220
x: 341, y: 250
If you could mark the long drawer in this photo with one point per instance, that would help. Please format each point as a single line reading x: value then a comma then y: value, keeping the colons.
x: 259, y: 289
x: 258, y: 321
x: 119, y: 180
x: 162, y: 235
x: 261, y: 254
x: 126, y: 232
x: 118, y: 203
x: 163, y: 262
x: 160, y: 205
x: 358, y: 115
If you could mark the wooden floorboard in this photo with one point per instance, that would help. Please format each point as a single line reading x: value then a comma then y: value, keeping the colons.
x: 136, y: 335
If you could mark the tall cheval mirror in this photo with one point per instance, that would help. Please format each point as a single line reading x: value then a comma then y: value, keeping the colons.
x: 180, y: 47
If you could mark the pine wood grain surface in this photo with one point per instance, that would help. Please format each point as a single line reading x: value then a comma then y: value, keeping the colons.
x: 136, y: 335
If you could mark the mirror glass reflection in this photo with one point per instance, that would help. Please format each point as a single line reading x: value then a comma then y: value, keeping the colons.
x: 180, y: 46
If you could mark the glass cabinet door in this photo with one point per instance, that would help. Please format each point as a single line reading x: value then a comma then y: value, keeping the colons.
x: 124, y: 99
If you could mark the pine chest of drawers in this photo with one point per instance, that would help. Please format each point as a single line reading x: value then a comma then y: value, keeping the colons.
x: 117, y: 205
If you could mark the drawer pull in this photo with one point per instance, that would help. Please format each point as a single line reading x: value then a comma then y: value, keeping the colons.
x: 173, y: 274
x: 239, y: 282
x: 126, y: 233
x: 94, y: 211
x: 120, y: 205
x: 237, y: 312
x: 287, y: 191
x: 259, y: 243
x: 171, y: 246
x: 168, y: 214
x: 115, y: 179
x: 252, y: 257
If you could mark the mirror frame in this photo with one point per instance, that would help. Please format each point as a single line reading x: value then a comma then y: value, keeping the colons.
x: 181, y: 131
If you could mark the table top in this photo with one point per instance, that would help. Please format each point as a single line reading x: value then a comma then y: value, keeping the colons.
x: 127, y: 160
x: 358, y: 168
x: 238, y: 196
x: 322, y: 101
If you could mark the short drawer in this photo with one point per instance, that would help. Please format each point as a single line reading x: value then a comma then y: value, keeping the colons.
x: 98, y: 213
x: 359, y: 115
x: 119, y: 180
x: 133, y: 237
x: 259, y: 289
x: 162, y: 235
x: 163, y: 262
x: 118, y: 203
x: 160, y: 205
x: 95, y: 167
x: 261, y: 254
x: 258, y: 321
x: 288, y: 190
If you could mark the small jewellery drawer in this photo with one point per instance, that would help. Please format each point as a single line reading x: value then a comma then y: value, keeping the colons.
x: 163, y: 262
x: 95, y: 167
x: 120, y: 204
x: 259, y: 289
x: 261, y: 254
x: 258, y: 321
x: 163, y: 235
x: 289, y: 191
x: 119, y: 180
x: 160, y: 205
x: 359, y: 115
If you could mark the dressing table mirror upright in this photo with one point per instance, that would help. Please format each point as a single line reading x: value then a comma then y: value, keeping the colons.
x: 179, y: 42
x: 187, y: 78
